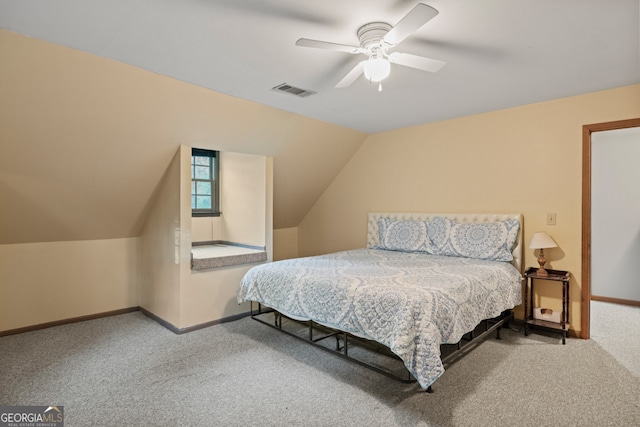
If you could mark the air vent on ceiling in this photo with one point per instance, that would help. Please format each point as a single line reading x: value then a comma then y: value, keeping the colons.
x: 302, y: 93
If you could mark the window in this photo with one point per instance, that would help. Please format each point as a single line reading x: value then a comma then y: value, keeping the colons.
x: 204, y: 182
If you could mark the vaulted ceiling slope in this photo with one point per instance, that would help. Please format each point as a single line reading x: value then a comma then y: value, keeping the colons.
x: 499, y: 53
x: 84, y: 142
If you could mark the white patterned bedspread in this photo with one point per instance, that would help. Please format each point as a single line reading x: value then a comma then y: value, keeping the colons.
x: 410, y: 302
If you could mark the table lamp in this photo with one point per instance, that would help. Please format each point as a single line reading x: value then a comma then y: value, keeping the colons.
x: 541, y: 240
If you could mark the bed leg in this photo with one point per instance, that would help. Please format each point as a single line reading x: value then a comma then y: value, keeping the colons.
x: 277, y: 320
x: 429, y: 389
x: 506, y: 317
x: 345, y: 345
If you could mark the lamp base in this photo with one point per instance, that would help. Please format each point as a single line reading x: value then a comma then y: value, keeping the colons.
x: 542, y: 261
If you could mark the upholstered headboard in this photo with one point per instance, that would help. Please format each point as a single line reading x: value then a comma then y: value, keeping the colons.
x: 373, y: 235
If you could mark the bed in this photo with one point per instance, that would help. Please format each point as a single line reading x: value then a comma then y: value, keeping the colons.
x: 424, y: 280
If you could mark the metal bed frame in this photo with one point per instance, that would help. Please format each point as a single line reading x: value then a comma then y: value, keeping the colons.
x: 317, y: 333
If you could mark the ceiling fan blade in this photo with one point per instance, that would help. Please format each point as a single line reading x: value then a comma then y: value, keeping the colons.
x: 418, y: 62
x: 416, y: 18
x: 317, y: 44
x: 352, y: 75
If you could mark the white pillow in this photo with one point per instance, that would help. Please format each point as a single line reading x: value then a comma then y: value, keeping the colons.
x: 403, y: 235
x: 491, y: 241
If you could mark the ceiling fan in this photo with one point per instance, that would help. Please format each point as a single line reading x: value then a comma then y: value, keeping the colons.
x: 376, y: 39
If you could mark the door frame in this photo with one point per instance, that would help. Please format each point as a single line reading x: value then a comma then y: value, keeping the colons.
x: 587, y: 130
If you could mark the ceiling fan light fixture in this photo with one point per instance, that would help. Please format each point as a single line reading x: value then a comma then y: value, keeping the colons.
x: 377, y: 69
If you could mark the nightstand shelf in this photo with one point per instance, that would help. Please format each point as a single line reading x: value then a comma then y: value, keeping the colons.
x: 559, y: 276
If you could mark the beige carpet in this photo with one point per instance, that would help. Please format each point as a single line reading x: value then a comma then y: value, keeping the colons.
x: 128, y: 370
x: 616, y: 328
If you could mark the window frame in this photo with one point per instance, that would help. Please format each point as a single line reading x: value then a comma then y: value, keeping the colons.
x: 214, y: 157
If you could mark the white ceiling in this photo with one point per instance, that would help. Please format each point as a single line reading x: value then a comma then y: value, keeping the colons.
x: 499, y: 53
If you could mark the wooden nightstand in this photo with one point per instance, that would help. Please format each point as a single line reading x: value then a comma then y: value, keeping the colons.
x: 529, y: 293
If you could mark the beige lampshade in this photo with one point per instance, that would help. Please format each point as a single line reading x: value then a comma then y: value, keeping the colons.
x: 541, y: 240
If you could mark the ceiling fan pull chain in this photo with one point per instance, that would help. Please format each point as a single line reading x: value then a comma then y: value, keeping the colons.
x: 380, y: 87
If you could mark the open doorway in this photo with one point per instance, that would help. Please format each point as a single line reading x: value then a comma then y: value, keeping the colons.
x: 587, y: 131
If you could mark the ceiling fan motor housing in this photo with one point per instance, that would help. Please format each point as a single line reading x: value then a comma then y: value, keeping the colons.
x: 370, y: 36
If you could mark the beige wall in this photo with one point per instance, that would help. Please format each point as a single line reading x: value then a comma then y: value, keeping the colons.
x: 285, y: 243
x: 526, y: 159
x: 202, y: 229
x: 242, y: 202
x: 84, y: 144
x: 211, y: 295
x: 47, y: 282
x: 161, y: 251
x: 85, y: 141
